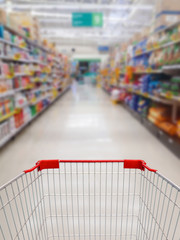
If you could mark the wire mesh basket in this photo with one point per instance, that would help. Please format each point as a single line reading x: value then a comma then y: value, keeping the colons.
x: 102, y: 200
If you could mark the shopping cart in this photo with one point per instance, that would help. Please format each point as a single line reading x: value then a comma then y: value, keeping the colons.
x: 101, y: 200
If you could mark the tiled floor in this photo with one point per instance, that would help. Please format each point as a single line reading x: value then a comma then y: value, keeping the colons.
x: 84, y: 124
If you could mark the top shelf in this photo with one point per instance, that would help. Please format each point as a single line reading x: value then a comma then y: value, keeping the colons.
x: 167, y: 28
x: 27, y: 39
x: 158, y: 48
x: 13, y: 45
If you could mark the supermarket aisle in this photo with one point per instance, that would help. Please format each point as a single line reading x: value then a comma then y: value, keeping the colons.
x: 84, y: 124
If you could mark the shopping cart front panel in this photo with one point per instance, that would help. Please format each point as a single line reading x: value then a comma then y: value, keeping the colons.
x: 90, y: 200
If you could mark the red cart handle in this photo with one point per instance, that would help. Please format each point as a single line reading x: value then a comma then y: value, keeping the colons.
x: 47, y: 164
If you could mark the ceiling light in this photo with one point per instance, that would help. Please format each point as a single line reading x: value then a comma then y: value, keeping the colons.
x: 54, y: 15
x: 82, y: 6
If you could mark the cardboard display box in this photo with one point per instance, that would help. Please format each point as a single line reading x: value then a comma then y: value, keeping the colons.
x: 165, y: 20
x: 167, y: 5
x: 3, y: 16
x: 24, y: 20
x: 167, y: 12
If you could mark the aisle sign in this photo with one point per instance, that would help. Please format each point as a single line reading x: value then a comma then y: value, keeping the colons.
x: 103, y: 48
x: 88, y: 19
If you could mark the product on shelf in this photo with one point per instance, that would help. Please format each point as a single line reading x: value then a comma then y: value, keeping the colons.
x: 115, y: 95
x: 5, y: 130
x: 6, y: 106
x: 20, y: 100
x: 19, y: 118
x: 178, y: 128
x: 168, y: 127
x: 143, y: 106
x: 31, y: 76
x: 157, y: 115
x: 5, y: 85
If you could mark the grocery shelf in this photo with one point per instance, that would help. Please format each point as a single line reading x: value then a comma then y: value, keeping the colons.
x: 17, y: 131
x: 172, y: 67
x: 175, y: 98
x: 168, y: 101
x: 15, y: 90
x: 27, y: 39
x: 22, y: 106
x: 158, y: 71
x: 6, y: 116
x: 21, y: 75
x: 38, y: 100
x: 172, y: 143
x: 41, y: 89
x: 158, y: 48
x: 5, y: 94
x: 13, y: 45
x: 16, y: 75
x: 40, y: 63
x: 10, y: 59
x: 21, y: 89
x: 167, y: 28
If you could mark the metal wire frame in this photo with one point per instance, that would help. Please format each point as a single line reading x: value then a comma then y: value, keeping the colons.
x: 90, y: 201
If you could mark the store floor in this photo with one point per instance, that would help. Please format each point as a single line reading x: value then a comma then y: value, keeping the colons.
x: 83, y: 124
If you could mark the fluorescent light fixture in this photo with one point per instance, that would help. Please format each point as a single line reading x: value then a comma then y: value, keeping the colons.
x: 60, y: 36
x: 84, y: 6
x: 51, y: 20
x: 9, y: 6
x: 54, y: 15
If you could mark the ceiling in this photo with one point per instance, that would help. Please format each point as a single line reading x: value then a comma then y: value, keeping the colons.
x: 121, y: 19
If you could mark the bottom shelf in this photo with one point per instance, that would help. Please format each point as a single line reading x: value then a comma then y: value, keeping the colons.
x: 17, y: 131
x: 172, y: 143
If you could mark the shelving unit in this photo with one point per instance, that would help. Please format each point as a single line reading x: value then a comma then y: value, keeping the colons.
x: 158, y: 48
x: 17, y: 131
x: 6, y: 116
x: 37, y: 80
x: 14, y: 45
x: 159, y: 71
x: 160, y: 99
x: 170, y: 142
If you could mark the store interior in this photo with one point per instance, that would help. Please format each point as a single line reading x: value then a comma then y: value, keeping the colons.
x: 89, y: 119
x: 89, y: 80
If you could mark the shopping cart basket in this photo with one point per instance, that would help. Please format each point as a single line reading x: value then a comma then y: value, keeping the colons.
x: 102, y: 200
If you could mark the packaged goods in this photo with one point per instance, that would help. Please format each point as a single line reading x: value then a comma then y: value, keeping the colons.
x: 3, y: 16
x: 178, y: 128
x: 166, y: 18
x: 6, y: 106
x: 20, y: 100
x: 115, y: 93
x: 5, y: 85
x: 5, y: 129
x: 166, y: 13
x: 19, y: 118
x: 143, y: 106
x: 169, y: 128
x: 154, y: 120
x: 162, y: 114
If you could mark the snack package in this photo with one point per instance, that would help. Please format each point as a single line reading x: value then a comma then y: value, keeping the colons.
x: 160, y: 113
x: 153, y: 120
x: 178, y: 129
x: 169, y: 128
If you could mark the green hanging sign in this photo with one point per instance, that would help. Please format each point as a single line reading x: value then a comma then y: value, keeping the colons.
x: 88, y: 19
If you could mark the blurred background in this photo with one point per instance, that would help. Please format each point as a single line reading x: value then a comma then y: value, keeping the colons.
x: 89, y: 79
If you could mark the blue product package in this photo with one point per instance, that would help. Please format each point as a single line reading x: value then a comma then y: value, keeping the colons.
x: 1, y: 31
